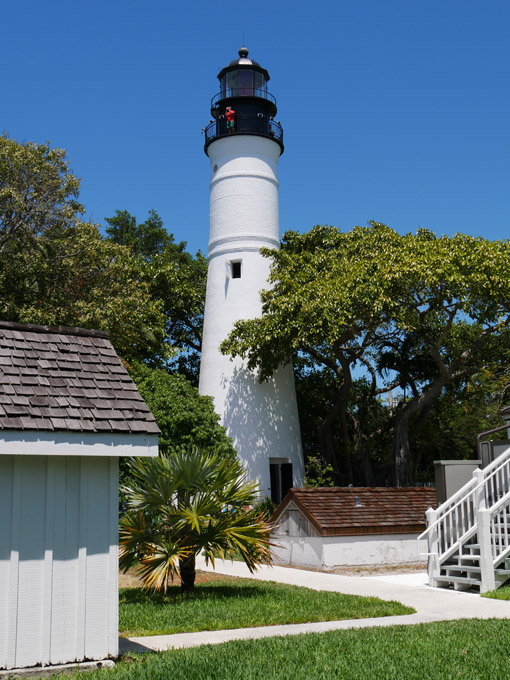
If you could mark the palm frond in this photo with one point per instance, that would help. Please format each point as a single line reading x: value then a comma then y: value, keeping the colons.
x: 188, y: 502
x: 161, y: 564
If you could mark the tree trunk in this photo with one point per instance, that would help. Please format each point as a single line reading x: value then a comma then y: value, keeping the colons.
x: 347, y: 443
x: 187, y: 573
x: 327, y: 448
x: 402, y: 458
x: 366, y: 464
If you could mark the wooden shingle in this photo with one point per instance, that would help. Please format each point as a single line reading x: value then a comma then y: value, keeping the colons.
x: 338, y: 511
x: 68, y: 379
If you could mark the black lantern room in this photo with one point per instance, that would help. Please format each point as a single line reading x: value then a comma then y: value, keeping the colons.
x: 243, y: 89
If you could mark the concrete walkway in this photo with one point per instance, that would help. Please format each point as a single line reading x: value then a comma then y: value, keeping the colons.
x: 431, y: 604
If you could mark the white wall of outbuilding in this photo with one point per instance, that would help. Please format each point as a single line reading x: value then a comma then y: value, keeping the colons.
x: 327, y: 552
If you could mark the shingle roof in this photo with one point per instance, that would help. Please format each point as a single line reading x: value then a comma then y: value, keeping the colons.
x: 60, y: 378
x: 359, y: 510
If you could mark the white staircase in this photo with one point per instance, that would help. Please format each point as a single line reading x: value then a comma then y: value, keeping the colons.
x: 469, y: 535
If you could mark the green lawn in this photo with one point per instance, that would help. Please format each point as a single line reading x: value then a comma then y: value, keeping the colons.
x: 502, y: 593
x: 240, y: 603
x: 468, y: 649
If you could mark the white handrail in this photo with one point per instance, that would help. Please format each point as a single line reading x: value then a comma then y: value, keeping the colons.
x: 465, y: 492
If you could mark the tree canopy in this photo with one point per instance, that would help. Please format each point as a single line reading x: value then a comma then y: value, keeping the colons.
x: 175, y: 278
x: 414, y: 310
x: 186, y: 418
x: 138, y: 284
x: 38, y: 193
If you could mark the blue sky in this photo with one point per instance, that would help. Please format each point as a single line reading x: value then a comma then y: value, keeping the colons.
x: 394, y: 110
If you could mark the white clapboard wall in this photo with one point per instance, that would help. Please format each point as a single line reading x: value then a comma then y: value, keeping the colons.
x: 58, y: 559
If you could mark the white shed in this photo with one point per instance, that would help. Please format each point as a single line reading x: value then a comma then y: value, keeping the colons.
x: 350, y: 526
x: 68, y: 411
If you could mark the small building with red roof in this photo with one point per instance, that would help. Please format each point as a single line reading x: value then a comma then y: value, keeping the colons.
x: 351, y: 526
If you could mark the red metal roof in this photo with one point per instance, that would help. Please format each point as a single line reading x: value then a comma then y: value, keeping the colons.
x: 360, y: 510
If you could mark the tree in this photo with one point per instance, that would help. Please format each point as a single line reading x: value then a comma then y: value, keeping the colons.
x: 186, y: 418
x: 178, y: 281
x: 76, y: 278
x: 137, y: 284
x: 175, y: 278
x: 342, y: 299
x: 457, y: 302
x: 325, y: 305
x: 182, y: 505
x: 37, y: 191
x: 147, y: 239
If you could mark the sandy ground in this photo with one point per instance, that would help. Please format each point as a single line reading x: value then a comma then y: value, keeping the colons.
x: 131, y: 580
x: 376, y: 570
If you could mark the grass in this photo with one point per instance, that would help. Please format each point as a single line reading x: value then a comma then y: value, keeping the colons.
x: 502, y: 593
x: 240, y: 603
x: 466, y: 649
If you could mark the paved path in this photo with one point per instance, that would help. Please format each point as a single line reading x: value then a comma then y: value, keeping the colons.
x: 431, y: 604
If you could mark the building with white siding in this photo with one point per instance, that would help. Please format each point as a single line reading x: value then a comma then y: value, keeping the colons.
x: 68, y: 411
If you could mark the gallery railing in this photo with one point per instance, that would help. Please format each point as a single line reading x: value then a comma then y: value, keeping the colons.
x: 242, y: 92
x: 259, y: 124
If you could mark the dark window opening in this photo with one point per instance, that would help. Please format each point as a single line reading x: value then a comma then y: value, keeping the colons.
x: 236, y: 270
x: 280, y: 475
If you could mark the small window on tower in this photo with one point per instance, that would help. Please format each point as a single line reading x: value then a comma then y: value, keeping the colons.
x: 236, y: 269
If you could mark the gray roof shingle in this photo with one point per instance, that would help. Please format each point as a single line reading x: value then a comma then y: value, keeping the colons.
x: 60, y: 378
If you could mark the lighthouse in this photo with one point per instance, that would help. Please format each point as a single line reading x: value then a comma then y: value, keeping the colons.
x: 244, y: 144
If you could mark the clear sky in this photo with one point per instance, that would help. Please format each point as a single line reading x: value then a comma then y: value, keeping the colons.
x: 393, y: 110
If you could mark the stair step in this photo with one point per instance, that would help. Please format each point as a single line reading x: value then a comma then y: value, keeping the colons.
x: 459, y: 579
x: 460, y: 569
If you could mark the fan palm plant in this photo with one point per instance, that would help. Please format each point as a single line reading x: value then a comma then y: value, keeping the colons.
x: 184, y: 504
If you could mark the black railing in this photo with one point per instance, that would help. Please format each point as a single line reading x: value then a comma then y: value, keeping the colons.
x: 259, y: 125
x: 242, y: 92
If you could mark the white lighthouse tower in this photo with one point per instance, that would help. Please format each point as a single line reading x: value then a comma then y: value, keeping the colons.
x: 261, y: 419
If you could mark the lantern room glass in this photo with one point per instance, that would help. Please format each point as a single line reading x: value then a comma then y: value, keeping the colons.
x: 243, y: 82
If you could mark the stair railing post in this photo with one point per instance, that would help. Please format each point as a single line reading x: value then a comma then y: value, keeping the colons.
x: 433, y: 548
x: 479, y: 495
x: 486, y: 560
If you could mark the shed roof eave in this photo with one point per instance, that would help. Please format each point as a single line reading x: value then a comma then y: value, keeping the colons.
x: 106, y: 444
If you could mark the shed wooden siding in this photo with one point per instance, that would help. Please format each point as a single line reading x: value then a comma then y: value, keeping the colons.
x: 58, y: 559
x: 293, y: 523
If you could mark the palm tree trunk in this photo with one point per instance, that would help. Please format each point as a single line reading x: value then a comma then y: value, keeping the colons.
x: 187, y: 573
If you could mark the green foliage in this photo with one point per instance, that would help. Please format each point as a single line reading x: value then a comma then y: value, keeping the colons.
x: 57, y: 270
x: 467, y: 649
x: 37, y: 192
x: 178, y: 281
x: 147, y: 239
x: 175, y: 279
x: 137, y: 284
x: 415, y: 311
x: 78, y: 279
x: 318, y: 472
x: 266, y: 507
x: 186, y: 418
x: 184, y: 504
x: 240, y: 603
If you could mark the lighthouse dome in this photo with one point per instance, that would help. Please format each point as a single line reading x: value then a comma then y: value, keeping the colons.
x: 243, y: 59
